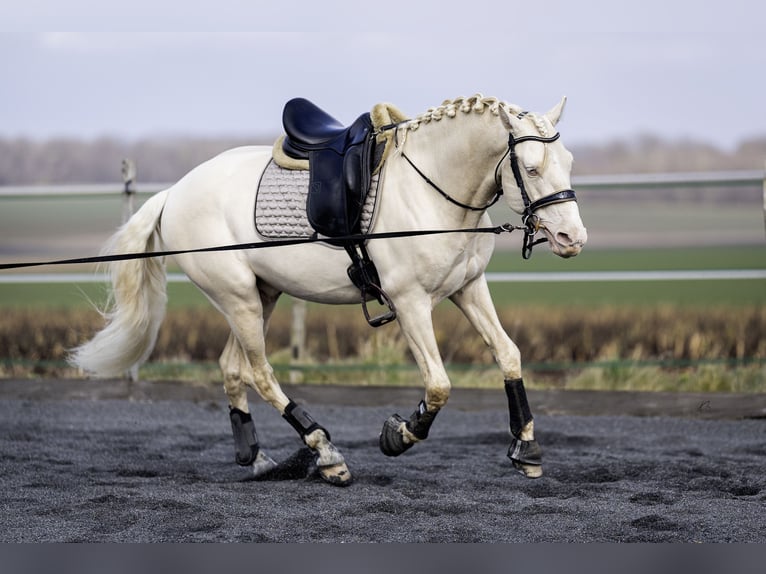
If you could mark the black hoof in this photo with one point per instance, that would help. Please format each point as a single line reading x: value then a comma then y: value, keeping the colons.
x: 391, y: 439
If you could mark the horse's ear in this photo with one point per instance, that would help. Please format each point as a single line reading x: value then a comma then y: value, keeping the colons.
x: 505, y: 118
x: 555, y: 114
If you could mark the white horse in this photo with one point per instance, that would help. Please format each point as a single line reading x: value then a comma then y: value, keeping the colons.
x: 471, y: 149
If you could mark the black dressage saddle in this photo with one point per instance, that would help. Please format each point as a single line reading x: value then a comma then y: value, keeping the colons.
x: 341, y: 161
x: 340, y: 164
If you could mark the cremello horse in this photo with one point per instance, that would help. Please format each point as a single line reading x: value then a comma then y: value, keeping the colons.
x: 472, y: 149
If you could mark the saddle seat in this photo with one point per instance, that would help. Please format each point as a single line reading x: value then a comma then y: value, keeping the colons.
x: 309, y: 127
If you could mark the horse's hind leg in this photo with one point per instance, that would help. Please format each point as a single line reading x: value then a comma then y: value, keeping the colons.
x: 475, y: 301
x: 236, y: 375
x: 248, y: 317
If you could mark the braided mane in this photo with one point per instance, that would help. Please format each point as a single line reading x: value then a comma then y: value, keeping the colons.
x: 475, y: 104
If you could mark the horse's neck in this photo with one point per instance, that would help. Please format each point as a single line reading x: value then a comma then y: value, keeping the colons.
x: 459, y: 156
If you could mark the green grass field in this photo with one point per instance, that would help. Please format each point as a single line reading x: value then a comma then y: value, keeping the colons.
x: 681, y: 293
x: 676, y: 258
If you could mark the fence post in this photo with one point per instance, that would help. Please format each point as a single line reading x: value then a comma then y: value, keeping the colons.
x: 128, y: 179
x: 298, y: 338
x: 764, y: 196
x: 129, y: 192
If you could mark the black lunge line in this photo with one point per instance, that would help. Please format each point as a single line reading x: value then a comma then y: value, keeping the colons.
x: 506, y: 227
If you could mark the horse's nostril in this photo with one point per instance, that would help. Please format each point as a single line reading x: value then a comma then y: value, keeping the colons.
x: 563, y: 238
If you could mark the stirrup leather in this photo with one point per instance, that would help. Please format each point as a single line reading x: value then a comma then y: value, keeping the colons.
x: 364, y: 276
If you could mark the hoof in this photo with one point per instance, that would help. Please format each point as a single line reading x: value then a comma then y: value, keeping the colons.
x: 391, y: 437
x: 263, y: 464
x: 336, y: 474
x: 527, y: 457
x: 528, y: 470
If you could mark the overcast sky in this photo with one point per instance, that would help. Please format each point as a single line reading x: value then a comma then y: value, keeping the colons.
x: 675, y: 69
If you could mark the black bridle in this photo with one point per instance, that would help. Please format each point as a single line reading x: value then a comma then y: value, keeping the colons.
x: 531, y: 223
x: 528, y: 218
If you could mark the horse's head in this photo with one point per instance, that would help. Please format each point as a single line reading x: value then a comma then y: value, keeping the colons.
x: 536, y: 180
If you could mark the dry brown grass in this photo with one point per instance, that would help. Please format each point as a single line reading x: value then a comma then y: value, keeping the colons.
x: 340, y: 334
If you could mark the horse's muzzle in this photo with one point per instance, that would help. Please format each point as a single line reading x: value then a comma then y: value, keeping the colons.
x: 567, y: 243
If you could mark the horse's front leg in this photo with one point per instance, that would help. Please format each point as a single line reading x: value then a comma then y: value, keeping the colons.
x: 475, y: 301
x: 400, y: 434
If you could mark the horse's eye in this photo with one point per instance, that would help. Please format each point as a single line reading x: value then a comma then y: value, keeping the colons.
x: 532, y: 172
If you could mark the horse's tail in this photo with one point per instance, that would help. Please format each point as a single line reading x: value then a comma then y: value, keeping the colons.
x: 137, y: 299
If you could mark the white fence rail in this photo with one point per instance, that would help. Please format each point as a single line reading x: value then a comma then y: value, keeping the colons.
x: 496, y: 277
x: 742, y: 178
x: 738, y: 178
x: 74, y: 190
x: 668, y: 180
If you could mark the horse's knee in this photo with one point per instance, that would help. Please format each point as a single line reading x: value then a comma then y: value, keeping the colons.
x: 509, y: 359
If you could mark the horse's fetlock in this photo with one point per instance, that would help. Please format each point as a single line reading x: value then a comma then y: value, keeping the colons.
x: 527, y: 432
x: 316, y: 439
x: 408, y: 437
x: 328, y: 454
x: 420, y: 422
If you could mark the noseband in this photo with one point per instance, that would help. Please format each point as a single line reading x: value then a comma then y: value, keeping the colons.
x: 529, y: 219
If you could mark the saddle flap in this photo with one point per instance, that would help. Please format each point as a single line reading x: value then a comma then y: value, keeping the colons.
x: 337, y: 188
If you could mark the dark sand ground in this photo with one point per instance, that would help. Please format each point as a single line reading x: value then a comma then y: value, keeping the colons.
x: 108, y: 461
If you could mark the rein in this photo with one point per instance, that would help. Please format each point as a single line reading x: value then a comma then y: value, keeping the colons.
x: 360, y: 237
